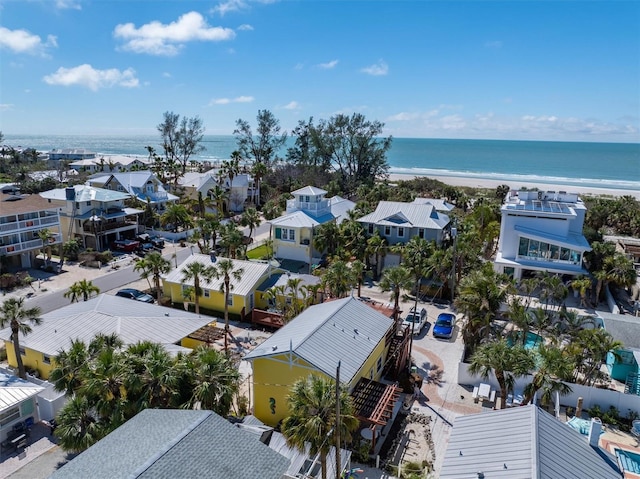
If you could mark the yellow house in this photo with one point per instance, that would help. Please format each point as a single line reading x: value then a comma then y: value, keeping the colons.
x: 345, y: 330
x: 132, y: 321
x: 242, y: 295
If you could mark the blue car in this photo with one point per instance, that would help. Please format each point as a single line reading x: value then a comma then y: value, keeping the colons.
x: 444, y: 326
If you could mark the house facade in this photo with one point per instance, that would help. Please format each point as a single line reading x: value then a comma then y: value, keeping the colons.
x: 132, y: 321
x: 96, y: 216
x: 110, y: 163
x: 541, y: 231
x: 18, y: 403
x: 22, y: 217
x: 239, y: 192
x: 143, y: 185
x: 345, y: 331
x: 292, y: 233
x: 242, y: 298
x: 72, y: 154
x: 624, y: 364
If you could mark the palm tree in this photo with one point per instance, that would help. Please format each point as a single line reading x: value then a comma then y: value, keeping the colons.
x: 359, y: 271
x: 231, y: 239
x: 377, y: 247
x: 553, y: 366
x: 151, y: 375
x: 250, y: 218
x: 582, y: 285
x: 154, y: 265
x: 44, y: 235
x: 589, y: 351
x: 226, y: 270
x: 219, y: 196
x: 197, y: 272
x: 79, y: 427
x: 15, y: 315
x: 177, y: 216
x: 395, y: 279
x: 338, y: 279
x: 506, y: 362
x: 82, y: 288
x: 326, y: 238
x: 66, y: 376
x: 312, y: 402
x: 259, y: 171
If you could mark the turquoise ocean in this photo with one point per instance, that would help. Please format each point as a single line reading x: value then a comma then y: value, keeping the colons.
x: 600, y: 165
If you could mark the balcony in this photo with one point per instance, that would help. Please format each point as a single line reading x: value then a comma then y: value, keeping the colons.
x: 314, y: 209
x: 156, y: 195
x: 30, y: 245
x: 99, y: 227
x: 35, y: 223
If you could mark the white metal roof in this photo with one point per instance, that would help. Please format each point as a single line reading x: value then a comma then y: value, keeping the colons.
x: 253, y: 272
x: 345, y: 330
x: 85, y: 193
x: 297, y: 219
x: 522, y: 443
x: 132, y: 320
x: 309, y: 190
x: 14, y: 390
x: 439, y: 204
x: 409, y: 215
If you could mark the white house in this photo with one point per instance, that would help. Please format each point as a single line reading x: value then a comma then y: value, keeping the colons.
x: 239, y: 191
x: 293, y: 231
x: 144, y: 185
x: 110, y: 163
x: 541, y: 231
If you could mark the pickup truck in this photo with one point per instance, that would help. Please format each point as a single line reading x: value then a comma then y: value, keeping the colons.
x: 127, y: 246
x: 156, y: 241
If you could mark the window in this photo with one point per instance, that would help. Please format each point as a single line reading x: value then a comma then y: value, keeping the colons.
x: 387, y: 230
x: 379, y: 364
x: 10, y: 415
x: 421, y: 233
x: 46, y: 359
x: 400, y: 232
x: 371, y: 373
x: 206, y: 293
x: 120, y: 188
x: 370, y: 228
x: 292, y: 235
x: 88, y: 203
x: 284, y: 234
x: 230, y: 300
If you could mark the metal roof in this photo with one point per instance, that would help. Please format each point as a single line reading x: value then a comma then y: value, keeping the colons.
x: 297, y: 219
x: 345, y: 330
x: 409, y: 215
x: 572, y: 240
x: 522, y: 443
x: 85, y: 193
x: 309, y: 190
x: 282, y: 279
x: 624, y: 328
x: 440, y: 204
x: 170, y: 443
x: 132, y: 320
x: 252, y: 275
x: 14, y: 390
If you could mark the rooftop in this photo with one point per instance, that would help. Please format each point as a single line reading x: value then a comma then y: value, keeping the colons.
x: 17, y: 204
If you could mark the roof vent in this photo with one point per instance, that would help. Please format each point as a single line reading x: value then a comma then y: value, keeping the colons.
x: 166, y: 314
x: 355, y: 331
x: 273, y: 348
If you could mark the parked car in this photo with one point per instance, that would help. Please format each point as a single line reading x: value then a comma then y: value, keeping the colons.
x: 127, y: 246
x: 416, y: 318
x: 444, y: 326
x: 156, y: 241
x: 135, y: 294
x: 145, y: 248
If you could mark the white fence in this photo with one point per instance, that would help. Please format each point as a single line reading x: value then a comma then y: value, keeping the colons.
x: 605, y: 398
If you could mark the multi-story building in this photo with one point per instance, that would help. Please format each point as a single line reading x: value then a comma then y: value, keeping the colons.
x: 22, y: 217
x: 241, y: 190
x: 144, y: 185
x: 293, y: 231
x: 110, y: 164
x: 94, y: 215
x: 541, y: 231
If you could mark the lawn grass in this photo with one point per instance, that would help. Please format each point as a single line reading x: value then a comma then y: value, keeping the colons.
x: 258, y: 253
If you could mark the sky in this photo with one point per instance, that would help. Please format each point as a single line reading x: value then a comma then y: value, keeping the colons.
x: 542, y: 70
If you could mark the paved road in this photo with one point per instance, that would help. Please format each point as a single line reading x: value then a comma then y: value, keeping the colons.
x: 106, y: 281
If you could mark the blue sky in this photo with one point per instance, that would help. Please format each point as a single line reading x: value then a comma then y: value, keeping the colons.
x: 545, y: 70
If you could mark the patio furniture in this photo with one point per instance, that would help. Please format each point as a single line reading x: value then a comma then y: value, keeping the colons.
x: 474, y: 395
x: 484, y: 391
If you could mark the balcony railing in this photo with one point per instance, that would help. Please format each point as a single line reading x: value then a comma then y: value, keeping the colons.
x: 101, y: 228
x: 315, y: 209
x: 22, y: 246
x: 29, y: 224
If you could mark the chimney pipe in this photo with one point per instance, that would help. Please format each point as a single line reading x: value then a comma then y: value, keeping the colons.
x: 594, y: 431
x: 579, y: 407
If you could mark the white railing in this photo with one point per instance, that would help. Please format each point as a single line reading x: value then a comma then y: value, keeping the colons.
x: 29, y: 224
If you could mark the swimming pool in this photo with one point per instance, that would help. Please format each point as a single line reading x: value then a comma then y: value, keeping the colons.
x: 630, y: 461
x: 532, y: 341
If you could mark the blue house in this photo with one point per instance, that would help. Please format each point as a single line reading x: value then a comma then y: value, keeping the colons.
x: 624, y: 365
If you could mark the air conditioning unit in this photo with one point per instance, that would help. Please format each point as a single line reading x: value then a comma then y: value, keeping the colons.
x: 541, y: 195
x: 305, y: 242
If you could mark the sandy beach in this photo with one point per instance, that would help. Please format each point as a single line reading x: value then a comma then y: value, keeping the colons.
x: 483, y: 183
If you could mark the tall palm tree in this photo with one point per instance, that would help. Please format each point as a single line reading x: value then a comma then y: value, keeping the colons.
x: 226, y: 270
x: 377, y: 247
x: 231, y: 239
x: 44, y: 235
x: 250, y: 218
x: 219, y: 196
x: 79, y: 427
x: 338, y: 279
x: 326, y: 238
x: 259, y: 170
x: 312, y: 402
x: 82, y: 288
x: 395, y: 279
x: 69, y: 365
x: 15, y: 315
x: 506, y: 362
x: 177, y: 216
x: 552, y: 367
x: 197, y: 272
x: 154, y: 265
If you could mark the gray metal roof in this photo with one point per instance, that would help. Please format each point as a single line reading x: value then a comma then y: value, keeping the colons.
x: 297, y: 219
x: 440, y: 204
x: 622, y: 327
x: 282, y: 279
x: 14, y: 390
x: 522, y: 443
x: 251, y: 277
x: 85, y: 193
x: 345, y: 330
x: 132, y: 320
x: 340, y: 207
x: 409, y: 215
x: 172, y: 443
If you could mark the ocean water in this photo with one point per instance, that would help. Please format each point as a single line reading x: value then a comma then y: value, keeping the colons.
x: 603, y: 165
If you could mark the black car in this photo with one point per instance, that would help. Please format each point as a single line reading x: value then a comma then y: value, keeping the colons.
x: 156, y: 241
x: 135, y: 294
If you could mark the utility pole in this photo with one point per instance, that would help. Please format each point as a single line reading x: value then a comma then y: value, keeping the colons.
x: 454, y: 235
x: 338, y: 423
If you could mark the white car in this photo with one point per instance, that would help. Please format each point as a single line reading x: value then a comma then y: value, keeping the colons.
x: 417, y: 319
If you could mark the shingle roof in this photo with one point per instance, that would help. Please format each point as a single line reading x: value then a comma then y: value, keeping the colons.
x: 410, y: 215
x: 14, y: 390
x: 13, y: 204
x: 522, y: 443
x: 253, y: 272
x: 132, y: 320
x: 158, y: 444
x: 624, y: 328
x: 85, y: 193
x: 345, y: 330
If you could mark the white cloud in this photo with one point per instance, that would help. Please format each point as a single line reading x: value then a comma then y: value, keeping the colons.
x: 493, y: 44
x: 5, y: 106
x: 292, y: 105
x: 328, y: 65
x: 156, y: 38
x: 229, y: 6
x: 245, y: 27
x: 22, y: 41
x: 298, y: 66
x: 377, y: 69
x: 226, y: 101
x: 88, y: 77
x: 403, y: 116
x: 68, y: 5
x: 166, y: 75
